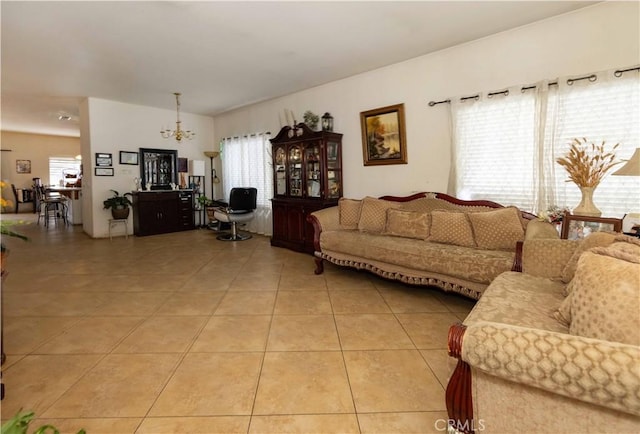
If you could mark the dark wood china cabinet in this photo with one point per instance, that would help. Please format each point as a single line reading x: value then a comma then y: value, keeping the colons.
x: 307, y: 176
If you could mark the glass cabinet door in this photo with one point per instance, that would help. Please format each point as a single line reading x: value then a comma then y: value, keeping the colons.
x: 280, y: 168
x: 158, y: 168
x: 295, y: 171
x: 334, y: 171
x: 312, y: 170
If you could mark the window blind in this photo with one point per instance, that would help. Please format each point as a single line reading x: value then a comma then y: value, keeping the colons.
x: 57, y: 165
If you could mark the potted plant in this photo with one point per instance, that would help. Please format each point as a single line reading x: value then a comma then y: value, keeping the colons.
x: 5, y: 225
x: 19, y: 424
x: 205, y: 202
x: 311, y: 119
x: 119, y: 205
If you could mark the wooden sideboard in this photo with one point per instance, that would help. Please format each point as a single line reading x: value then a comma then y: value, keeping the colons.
x: 160, y: 212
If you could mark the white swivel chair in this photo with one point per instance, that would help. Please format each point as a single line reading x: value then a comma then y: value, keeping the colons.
x: 241, y: 209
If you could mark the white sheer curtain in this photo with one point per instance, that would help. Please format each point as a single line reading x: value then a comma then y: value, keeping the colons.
x: 494, y: 141
x: 246, y: 162
x: 505, y: 147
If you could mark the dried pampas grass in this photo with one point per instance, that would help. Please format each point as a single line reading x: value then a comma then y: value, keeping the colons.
x: 587, y: 163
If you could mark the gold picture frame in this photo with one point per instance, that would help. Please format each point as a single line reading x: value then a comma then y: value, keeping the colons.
x: 383, y: 136
x: 576, y: 227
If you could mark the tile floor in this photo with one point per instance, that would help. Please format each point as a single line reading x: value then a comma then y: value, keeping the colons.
x: 181, y: 333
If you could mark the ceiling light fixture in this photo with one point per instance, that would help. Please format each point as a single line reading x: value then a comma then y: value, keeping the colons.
x: 178, y: 133
x: 64, y: 118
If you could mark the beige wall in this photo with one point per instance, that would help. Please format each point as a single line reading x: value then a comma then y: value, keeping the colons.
x: 600, y: 37
x: 34, y: 147
x: 111, y: 127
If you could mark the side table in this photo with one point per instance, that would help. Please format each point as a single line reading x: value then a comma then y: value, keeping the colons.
x: 114, y: 222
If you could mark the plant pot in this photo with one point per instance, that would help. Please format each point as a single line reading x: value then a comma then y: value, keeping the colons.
x: 120, y: 213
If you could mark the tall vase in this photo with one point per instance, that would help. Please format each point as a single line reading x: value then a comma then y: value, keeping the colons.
x: 586, y: 205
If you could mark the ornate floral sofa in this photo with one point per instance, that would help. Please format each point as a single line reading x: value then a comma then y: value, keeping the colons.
x: 533, y: 359
x: 425, y: 239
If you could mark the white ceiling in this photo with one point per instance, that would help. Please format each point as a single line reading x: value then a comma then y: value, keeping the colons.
x: 220, y: 55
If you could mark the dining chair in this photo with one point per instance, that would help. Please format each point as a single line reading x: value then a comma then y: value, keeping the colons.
x: 19, y: 198
x: 51, y: 205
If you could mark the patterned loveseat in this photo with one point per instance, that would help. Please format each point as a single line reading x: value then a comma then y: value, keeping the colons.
x: 533, y: 359
x: 425, y: 239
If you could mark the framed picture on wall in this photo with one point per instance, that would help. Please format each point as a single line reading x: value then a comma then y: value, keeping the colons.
x: 183, y: 165
x: 104, y: 171
x: 23, y: 166
x: 383, y: 136
x: 127, y: 157
x: 103, y: 159
x: 577, y: 227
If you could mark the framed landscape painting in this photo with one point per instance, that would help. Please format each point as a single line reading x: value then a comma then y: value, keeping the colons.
x: 383, y: 136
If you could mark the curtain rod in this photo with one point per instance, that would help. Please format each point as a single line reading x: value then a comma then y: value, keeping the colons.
x: 246, y: 135
x: 592, y: 77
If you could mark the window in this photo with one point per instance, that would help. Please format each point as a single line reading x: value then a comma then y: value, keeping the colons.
x: 246, y: 162
x: 506, y: 146
x: 58, y: 166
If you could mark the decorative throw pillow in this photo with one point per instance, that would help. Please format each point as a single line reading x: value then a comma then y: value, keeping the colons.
x: 373, y: 215
x: 451, y: 227
x: 407, y: 224
x: 497, y: 230
x: 349, y: 210
x: 596, y: 239
x: 605, y: 299
x: 628, y: 239
x: 621, y: 250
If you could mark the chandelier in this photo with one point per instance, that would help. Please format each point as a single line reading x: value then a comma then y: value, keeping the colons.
x: 178, y: 133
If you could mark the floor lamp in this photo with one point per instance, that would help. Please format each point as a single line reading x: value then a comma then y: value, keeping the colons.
x: 214, y: 177
x: 631, y: 168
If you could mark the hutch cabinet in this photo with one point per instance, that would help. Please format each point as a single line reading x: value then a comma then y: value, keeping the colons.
x: 307, y: 176
x: 160, y: 212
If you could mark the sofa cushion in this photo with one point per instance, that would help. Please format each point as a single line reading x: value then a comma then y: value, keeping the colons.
x: 624, y: 251
x: 520, y: 299
x: 596, y: 239
x: 373, y: 215
x: 620, y: 250
x: 349, y: 210
x: 451, y: 227
x: 547, y: 257
x: 539, y: 229
x: 407, y: 224
x: 605, y: 299
x: 563, y: 313
x: 500, y: 229
x: 464, y: 263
